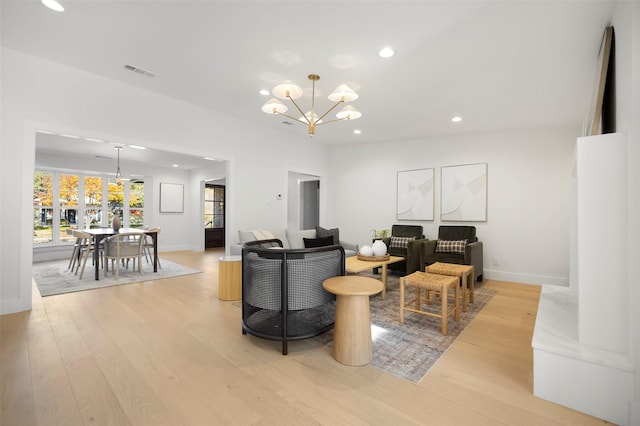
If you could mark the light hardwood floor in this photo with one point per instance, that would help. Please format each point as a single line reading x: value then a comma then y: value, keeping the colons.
x: 168, y: 352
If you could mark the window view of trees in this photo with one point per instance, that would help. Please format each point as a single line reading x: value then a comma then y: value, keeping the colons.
x: 68, y: 205
x: 136, y: 204
x: 42, y: 207
x: 93, y: 200
x: 53, y: 226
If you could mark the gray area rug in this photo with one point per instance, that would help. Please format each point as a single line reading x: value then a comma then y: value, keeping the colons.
x: 409, y: 350
x: 53, y: 277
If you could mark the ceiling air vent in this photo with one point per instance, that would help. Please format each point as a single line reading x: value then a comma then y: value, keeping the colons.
x: 139, y: 70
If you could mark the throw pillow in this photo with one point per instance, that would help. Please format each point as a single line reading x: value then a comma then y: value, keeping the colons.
x: 400, y: 242
x: 295, y: 237
x: 454, y: 246
x: 334, y: 232
x: 318, y: 242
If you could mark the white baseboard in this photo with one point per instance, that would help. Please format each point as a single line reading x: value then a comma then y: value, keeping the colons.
x: 517, y: 277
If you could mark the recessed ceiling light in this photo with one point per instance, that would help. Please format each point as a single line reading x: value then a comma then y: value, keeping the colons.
x: 456, y: 119
x: 175, y: 165
x: 386, y: 52
x: 210, y: 159
x: 137, y: 147
x: 69, y: 136
x: 53, y: 5
x: 264, y: 92
x: 94, y: 140
x: 357, y: 131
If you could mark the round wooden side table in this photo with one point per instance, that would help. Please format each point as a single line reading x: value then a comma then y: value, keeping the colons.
x: 352, y: 330
x: 230, y: 278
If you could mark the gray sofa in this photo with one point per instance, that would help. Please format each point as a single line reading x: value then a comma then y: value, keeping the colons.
x: 295, y: 239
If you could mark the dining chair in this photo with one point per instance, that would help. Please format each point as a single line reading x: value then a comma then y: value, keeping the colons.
x: 86, y: 250
x: 77, y: 249
x: 124, y: 246
x: 148, y: 245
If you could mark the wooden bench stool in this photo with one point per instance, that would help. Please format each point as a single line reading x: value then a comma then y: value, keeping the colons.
x: 465, y: 272
x: 429, y: 281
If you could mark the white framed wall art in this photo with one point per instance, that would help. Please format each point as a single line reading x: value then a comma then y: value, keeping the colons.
x: 464, y: 193
x: 415, y: 194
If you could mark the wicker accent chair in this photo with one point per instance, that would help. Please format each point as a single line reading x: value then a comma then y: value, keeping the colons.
x: 282, y: 294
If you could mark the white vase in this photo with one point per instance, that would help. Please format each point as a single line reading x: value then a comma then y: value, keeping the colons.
x: 379, y: 248
x: 366, y: 251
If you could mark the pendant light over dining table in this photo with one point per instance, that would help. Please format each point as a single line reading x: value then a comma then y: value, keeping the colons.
x: 291, y: 91
x: 119, y: 180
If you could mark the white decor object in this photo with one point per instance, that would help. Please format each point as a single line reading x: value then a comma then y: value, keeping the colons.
x: 115, y: 223
x: 366, y: 251
x: 379, y: 248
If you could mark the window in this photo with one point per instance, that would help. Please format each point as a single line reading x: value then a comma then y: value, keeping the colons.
x: 214, y: 206
x: 42, y: 208
x: 136, y: 204
x: 116, y: 201
x: 53, y: 226
x: 68, y: 201
x: 92, y: 202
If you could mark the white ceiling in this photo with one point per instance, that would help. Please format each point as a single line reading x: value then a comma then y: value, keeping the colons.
x: 498, y: 65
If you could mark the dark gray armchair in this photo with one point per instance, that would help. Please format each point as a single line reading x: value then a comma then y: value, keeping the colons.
x: 472, y: 254
x: 411, y: 252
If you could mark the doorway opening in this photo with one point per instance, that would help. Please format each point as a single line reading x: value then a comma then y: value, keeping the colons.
x: 303, y: 206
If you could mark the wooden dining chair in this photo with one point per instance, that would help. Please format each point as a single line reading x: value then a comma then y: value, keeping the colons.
x: 86, y: 250
x: 148, y: 245
x: 77, y: 249
x: 121, y: 247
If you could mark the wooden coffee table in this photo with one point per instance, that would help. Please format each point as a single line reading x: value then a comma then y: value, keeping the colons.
x: 353, y: 265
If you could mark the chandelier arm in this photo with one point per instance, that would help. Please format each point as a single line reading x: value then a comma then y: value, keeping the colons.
x: 330, y: 109
x: 332, y: 121
x: 293, y: 118
x: 301, y: 113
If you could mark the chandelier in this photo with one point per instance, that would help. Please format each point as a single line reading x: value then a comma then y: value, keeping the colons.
x: 118, y: 179
x: 291, y: 91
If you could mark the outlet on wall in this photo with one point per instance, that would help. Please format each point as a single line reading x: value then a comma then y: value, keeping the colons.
x: 496, y: 261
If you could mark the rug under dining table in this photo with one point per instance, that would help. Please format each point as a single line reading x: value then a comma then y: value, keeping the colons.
x: 54, y: 277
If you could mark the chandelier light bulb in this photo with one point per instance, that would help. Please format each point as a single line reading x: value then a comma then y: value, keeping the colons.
x: 274, y: 106
x: 310, y: 117
x: 349, y: 113
x: 287, y: 89
x: 343, y: 93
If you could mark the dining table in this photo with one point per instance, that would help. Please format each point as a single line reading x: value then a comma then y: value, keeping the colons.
x: 100, y: 234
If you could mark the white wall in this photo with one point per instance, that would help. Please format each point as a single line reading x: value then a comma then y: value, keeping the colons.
x: 626, y: 22
x: 43, y: 94
x: 529, y: 190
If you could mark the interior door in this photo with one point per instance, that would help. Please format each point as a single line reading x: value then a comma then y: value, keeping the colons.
x: 214, y: 212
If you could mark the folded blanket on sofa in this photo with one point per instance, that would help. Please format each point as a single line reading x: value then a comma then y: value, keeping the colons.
x: 261, y: 234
